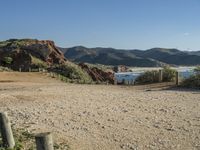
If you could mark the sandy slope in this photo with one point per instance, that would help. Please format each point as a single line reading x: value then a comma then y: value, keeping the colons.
x: 99, y: 117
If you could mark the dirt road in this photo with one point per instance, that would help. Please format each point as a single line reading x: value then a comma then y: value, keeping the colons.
x: 102, y: 117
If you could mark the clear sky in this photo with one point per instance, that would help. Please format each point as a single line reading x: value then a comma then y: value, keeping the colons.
x: 129, y: 24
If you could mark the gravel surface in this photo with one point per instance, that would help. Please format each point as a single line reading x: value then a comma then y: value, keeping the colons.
x: 102, y: 117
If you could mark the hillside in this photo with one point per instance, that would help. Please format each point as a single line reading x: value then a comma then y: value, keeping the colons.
x: 172, y: 56
x: 27, y: 53
x: 148, y: 58
x: 31, y: 53
x: 108, y: 56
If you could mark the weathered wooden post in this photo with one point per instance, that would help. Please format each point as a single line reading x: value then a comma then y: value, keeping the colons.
x: 115, y: 80
x: 177, y: 78
x: 51, y: 74
x: 160, y: 75
x: 29, y: 69
x: 58, y: 76
x: 6, y: 131
x: 20, y: 69
x: 44, y: 141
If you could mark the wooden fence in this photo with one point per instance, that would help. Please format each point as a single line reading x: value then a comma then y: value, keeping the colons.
x: 160, y: 79
x: 60, y: 77
x: 43, y: 141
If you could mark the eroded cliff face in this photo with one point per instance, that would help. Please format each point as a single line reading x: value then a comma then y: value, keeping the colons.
x: 97, y: 74
x: 27, y: 53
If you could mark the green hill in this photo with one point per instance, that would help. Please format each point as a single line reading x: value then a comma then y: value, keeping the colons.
x: 142, y: 58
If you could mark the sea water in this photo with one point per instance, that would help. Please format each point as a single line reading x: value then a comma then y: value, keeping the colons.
x: 130, y: 77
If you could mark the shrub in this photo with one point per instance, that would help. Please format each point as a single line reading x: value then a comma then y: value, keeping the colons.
x: 192, y: 82
x: 148, y: 77
x: 8, y: 60
x: 5, y: 69
x: 72, y: 73
x: 38, y: 62
x: 168, y: 74
x: 153, y: 76
x: 197, y: 70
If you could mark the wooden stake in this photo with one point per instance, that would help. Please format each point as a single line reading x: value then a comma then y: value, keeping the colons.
x: 160, y: 75
x: 177, y: 78
x: 6, y: 131
x: 44, y: 141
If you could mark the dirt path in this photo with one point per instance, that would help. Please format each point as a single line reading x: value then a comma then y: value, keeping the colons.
x: 102, y: 117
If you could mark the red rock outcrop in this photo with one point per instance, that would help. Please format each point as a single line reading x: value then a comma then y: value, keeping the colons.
x: 98, y: 74
x: 23, y: 51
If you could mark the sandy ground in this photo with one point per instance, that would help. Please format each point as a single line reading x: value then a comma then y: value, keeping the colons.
x: 102, y: 117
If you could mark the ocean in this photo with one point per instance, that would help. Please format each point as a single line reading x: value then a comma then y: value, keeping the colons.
x: 184, y: 72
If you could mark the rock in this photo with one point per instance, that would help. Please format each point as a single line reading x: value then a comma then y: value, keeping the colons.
x: 26, y: 53
x: 98, y: 74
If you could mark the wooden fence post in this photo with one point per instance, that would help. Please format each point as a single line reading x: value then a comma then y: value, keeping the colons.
x: 177, y: 78
x: 115, y: 81
x: 44, y: 141
x: 160, y: 75
x: 51, y: 74
x: 20, y: 69
x: 6, y: 131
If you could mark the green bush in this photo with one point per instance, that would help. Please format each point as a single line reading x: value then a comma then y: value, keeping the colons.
x: 197, y: 70
x: 38, y: 62
x: 8, y: 60
x: 73, y: 73
x: 168, y: 74
x: 153, y: 76
x: 148, y: 77
x: 192, y: 82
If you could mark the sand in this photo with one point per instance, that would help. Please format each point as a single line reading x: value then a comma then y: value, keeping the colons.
x: 103, y: 117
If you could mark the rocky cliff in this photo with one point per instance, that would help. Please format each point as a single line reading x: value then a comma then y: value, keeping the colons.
x: 27, y: 53
x: 97, y: 74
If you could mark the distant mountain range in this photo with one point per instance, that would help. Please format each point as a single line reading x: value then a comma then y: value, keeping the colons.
x: 141, y: 58
x: 30, y: 52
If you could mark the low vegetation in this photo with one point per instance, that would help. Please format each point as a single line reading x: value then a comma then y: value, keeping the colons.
x: 8, y: 60
x: 193, y: 81
x: 100, y: 66
x: 153, y: 76
x: 5, y: 69
x: 72, y: 73
x: 38, y: 62
x: 148, y: 77
x: 168, y: 74
x: 15, y: 42
x: 24, y: 140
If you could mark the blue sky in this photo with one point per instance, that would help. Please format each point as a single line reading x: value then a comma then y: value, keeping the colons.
x: 129, y: 24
